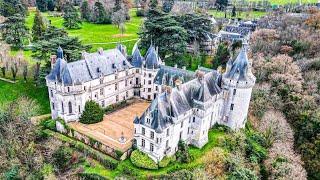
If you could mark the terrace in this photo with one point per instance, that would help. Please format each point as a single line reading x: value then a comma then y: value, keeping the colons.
x: 117, y: 129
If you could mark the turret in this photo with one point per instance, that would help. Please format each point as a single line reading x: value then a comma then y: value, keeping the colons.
x: 237, y: 83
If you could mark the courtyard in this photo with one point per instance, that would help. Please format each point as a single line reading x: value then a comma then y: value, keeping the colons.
x: 117, y: 129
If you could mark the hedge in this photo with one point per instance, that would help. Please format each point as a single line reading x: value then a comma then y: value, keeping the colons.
x: 166, y: 161
x: 142, y: 160
x: 105, y: 160
x: 91, y: 176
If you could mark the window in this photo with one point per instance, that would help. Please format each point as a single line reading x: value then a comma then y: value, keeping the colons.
x: 188, y: 130
x: 79, y: 108
x: 157, y: 140
x: 150, y: 75
x: 151, y: 147
x: 149, y: 82
x: 117, y: 98
x: 144, y: 81
x: 231, y: 107
x: 167, y: 143
x: 68, y: 89
x: 149, y: 97
x: 84, y: 88
x: 51, y: 92
x: 127, y: 94
x: 52, y: 105
x: 115, y: 76
x: 180, y: 136
x: 137, y: 70
x: 168, y: 132
x: 102, y: 103
x: 149, y: 89
x: 143, y: 131
x: 116, y: 86
x: 101, y: 81
x: 151, y: 134
x: 148, y: 120
x: 70, y: 107
x: 101, y: 91
x: 127, y: 73
x: 234, y: 92
x: 156, y: 88
x: 194, y: 119
x: 137, y: 80
x: 126, y: 83
x: 181, y: 124
x: 135, y: 130
x: 62, y: 108
x: 143, y: 143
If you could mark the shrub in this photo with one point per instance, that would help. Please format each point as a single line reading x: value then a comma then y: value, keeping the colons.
x: 48, y: 124
x: 182, y: 154
x: 92, y: 113
x: 242, y: 173
x: 62, y: 157
x: 140, y: 13
x: 118, y: 154
x: 166, y: 161
x: 91, y: 176
x: 142, y: 160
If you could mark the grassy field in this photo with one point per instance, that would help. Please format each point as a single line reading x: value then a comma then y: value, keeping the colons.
x: 243, y: 15
x: 99, y: 35
x: 282, y: 2
x: 10, y: 92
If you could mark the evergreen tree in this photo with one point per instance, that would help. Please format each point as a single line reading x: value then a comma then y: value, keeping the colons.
x: 38, y: 27
x: 11, y: 7
x: 154, y: 9
x: 167, y: 5
x: 71, y: 17
x: 51, y: 5
x: 92, y: 113
x: 85, y: 11
x: 15, y: 30
x: 234, y: 13
x: 198, y: 26
x: 165, y: 32
x: 71, y: 46
x: 54, y: 32
x: 42, y: 5
x: 117, y: 5
x: 100, y: 14
x: 221, y: 4
x: 222, y: 56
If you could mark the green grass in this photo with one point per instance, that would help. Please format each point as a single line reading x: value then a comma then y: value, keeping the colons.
x: 92, y: 34
x: 214, y: 136
x: 243, y: 15
x: 10, y: 92
x: 283, y: 2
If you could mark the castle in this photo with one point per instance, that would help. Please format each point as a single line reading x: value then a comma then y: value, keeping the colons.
x: 185, y: 104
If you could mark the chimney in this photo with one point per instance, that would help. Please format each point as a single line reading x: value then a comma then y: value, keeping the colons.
x: 199, y: 75
x: 178, y: 83
x: 184, y: 67
x: 53, y: 60
x: 176, y: 65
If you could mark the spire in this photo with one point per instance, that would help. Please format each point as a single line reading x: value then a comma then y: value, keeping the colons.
x: 59, y: 53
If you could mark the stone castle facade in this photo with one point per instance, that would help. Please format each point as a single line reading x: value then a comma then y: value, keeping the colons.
x: 185, y: 104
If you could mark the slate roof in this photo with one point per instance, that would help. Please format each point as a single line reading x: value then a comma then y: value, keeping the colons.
x: 93, y: 66
x: 180, y: 100
x: 137, y: 59
x: 239, y: 66
x: 244, y: 31
x: 168, y: 75
x: 152, y: 58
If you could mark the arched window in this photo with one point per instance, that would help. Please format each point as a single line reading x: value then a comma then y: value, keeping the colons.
x: 70, y: 107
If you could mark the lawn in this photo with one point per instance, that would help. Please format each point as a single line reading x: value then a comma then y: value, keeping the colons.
x: 99, y: 35
x: 282, y: 2
x: 244, y: 15
x: 10, y: 92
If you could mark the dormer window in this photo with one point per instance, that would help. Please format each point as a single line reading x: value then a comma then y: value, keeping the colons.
x: 113, y: 65
x: 124, y: 63
x: 234, y: 92
x: 148, y: 120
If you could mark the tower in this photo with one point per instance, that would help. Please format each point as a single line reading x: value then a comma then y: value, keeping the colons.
x: 237, y: 83
x: 150, y: 69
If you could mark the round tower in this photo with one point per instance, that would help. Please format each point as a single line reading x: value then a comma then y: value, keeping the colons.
x: 237, y: 83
